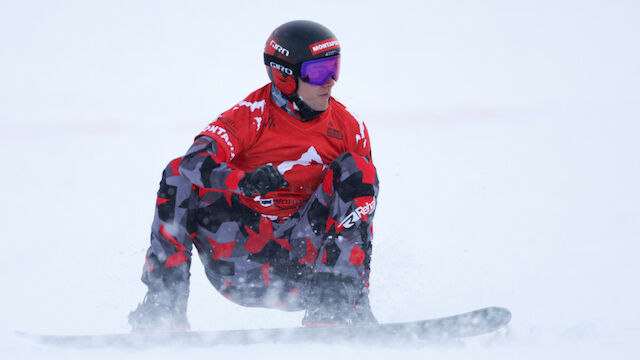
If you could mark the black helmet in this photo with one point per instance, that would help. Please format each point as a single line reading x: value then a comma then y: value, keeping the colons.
x: 293, y: 43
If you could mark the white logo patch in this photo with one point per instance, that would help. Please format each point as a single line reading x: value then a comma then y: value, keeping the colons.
x: 306, y: 159
x: 358, y: 213
x: 251, y: 105
x: 214, y: 129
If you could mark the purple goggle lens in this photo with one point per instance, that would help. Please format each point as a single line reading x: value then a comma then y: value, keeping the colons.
x: 318, y: 72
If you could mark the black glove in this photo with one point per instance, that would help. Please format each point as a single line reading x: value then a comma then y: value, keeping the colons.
x: 261, y: 181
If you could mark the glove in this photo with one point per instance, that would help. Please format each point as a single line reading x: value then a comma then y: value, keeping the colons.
x: 261, y: 181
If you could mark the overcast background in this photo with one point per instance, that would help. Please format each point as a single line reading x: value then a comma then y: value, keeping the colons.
x: 505, y: 135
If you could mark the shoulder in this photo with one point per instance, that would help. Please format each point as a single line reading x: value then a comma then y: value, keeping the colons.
x: 340, y: 108
x: 254, y: 104
x: 237, y: 126
x: 247, y: 113
x: 349, y: 120
x: 353, y: 126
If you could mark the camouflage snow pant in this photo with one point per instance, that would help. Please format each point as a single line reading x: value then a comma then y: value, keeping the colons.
x: 252, y: 260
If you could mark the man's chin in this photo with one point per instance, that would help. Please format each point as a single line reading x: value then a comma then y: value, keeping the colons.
x: 323, y: 106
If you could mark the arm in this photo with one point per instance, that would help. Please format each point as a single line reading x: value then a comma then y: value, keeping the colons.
x: 205, y: 165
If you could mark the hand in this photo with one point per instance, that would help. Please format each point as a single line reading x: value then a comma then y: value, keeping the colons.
x: 261, y: 181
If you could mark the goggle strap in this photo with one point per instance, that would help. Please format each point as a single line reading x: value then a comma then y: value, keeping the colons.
x: 284, y: 66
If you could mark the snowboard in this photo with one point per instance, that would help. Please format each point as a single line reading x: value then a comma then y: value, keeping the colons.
x: 478, y: 322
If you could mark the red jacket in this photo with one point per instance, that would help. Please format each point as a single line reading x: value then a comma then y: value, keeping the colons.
x: 257, y: 132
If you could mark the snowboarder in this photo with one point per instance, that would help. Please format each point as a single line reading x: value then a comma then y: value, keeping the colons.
x: 277, y: 194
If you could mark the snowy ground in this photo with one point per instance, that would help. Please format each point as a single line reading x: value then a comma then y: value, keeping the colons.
x: 505, y: 134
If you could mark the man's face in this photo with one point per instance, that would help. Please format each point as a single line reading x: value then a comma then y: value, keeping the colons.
x: 317, y: 97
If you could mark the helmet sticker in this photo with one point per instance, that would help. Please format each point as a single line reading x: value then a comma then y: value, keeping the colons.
x: 277, y: 47
x: 324, y: 45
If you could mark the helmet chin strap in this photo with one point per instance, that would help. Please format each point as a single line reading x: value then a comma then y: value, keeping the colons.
x: 294, y: 105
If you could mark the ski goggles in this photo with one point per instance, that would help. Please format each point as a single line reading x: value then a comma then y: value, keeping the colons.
x: 318, y: 72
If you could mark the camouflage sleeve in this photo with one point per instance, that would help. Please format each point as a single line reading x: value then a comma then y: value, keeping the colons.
x: 205, y: 165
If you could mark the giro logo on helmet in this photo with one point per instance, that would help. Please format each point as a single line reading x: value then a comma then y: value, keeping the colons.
x: 284, y: 69
x: 324, y: 45
x: 279, y: 48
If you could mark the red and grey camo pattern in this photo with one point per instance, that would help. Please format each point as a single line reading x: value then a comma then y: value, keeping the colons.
x: 251, y: 259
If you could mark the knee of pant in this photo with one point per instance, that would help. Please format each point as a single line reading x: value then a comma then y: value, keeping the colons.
x: 173, y: 168
x: 352, y: 176
x: 347, y: 164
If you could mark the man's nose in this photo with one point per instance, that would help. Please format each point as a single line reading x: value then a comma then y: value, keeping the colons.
x: 329, y: 83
